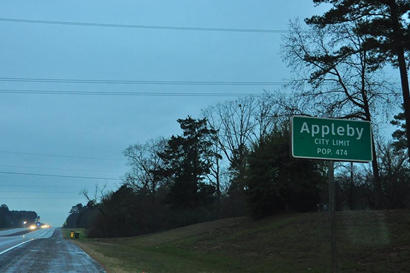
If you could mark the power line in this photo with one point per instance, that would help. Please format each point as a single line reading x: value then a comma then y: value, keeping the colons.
x: 134, y: 26
x: 139, y: 82
x: 123, y: 93
x: 41, y: 191
x: 47, y: 168
x: 54, y: 155
x: 62, y: 176
x: 25, y: 186
x: 35, y: 198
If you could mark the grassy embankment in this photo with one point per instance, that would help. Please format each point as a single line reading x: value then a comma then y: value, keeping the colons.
x: 368, y: 241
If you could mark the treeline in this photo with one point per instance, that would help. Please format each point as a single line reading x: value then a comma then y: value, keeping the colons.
x: 234, y: 161
x: 356, y: 187
x: 15, y: 219
x: 204, y: 173
x: 81, y: 216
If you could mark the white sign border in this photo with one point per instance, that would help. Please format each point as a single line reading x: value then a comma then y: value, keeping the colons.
x: 333, y: 159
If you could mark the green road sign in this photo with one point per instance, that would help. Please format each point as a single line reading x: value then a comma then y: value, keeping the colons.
x: 331, y: 139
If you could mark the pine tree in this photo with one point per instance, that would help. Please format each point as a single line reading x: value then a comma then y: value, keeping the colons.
x: 399, y: 136
x: 187, y: 159
x: 384, y: 24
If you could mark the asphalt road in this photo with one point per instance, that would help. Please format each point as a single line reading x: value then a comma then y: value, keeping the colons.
x: 11, y: 231
x: 43, y: 250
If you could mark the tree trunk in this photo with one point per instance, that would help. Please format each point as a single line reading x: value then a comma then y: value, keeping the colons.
x: 405, y: 90
x: 218, y: 182
x: 375, y: 167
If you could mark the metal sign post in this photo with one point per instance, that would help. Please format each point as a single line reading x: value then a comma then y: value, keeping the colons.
x: 331, y: 139
x: 332, y: 216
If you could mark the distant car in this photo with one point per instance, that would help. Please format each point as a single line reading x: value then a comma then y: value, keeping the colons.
x: 32, y: 227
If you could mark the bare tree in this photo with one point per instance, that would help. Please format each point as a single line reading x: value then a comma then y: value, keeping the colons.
x: 235, y: 123
x: 143, y: 160
x: 269, y: 113
x: 97, y: 195
x: 94, y: 198
x: 335, y: 82
x: 395, y: 173
x: 214, y: 176
x: 338, y: 78
x: 242, y: 122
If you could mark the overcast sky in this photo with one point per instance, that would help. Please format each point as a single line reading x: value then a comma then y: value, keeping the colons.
x: 77, y: 135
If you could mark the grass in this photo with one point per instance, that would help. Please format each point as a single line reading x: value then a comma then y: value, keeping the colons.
x: 368, y: 241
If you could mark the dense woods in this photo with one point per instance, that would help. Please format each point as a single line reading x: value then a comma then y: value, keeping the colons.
x: 188, y: 177
x: 15, y: 218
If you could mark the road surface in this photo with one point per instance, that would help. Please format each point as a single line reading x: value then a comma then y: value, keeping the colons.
x: 43, y: 250
x: 11, y: 231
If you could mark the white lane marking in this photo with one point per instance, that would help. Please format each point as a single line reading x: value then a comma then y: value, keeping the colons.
x: 13, y: 247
